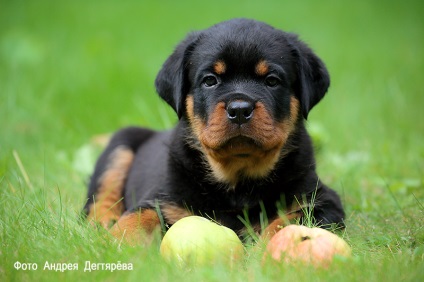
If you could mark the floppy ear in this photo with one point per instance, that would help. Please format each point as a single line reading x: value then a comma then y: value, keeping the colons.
x: 313, y: 78
x: 171, y: 82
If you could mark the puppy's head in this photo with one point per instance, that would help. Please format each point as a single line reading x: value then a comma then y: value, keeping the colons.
x: 243, y: 86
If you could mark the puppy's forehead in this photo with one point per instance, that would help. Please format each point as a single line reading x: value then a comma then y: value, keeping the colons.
x: 243, y: 44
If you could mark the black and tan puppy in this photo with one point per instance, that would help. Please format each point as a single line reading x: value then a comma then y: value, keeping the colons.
x: 241, y: 90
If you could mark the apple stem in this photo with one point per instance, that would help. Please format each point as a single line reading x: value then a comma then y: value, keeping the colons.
x: 304, y: 238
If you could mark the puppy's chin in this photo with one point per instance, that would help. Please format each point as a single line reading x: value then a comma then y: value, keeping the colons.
x: 240, y: 158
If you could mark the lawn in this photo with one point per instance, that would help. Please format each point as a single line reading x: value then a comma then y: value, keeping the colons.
x: 73, y: 71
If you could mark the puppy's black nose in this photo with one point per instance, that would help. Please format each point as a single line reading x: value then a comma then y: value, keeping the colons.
x: 239, y: 111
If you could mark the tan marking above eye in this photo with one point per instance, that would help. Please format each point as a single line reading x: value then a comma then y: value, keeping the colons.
x: 219, y: 67
x: 262, y: 68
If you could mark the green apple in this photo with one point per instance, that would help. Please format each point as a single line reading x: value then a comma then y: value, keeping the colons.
x: 195, y: 240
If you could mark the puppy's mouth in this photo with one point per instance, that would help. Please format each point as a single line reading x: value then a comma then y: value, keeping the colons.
x: 240, y: 146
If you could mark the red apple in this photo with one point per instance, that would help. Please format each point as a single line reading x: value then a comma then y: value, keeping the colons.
x: 316, y: 246
x: 196, y: 240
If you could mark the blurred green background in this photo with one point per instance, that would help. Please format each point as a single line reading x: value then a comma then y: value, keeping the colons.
x: 71, y: 70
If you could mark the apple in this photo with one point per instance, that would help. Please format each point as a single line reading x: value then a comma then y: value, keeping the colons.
x: 316, y: 246
x: 195, y: 240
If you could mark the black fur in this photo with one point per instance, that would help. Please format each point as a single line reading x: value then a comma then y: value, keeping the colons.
x: 169, y: 167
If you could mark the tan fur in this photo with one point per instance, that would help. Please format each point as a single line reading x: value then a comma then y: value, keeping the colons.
x: 108, y: 205
x: 294, y: 212
x: 262, y: 68
x: 173, y: 213
x: 219, y: 67
x: 279, y: 223
x: 136, y: 228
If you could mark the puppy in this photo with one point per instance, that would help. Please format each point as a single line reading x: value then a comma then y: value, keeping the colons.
x: 239, y: 152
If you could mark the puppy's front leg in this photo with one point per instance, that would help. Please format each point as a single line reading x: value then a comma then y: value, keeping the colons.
x: 135, y: 228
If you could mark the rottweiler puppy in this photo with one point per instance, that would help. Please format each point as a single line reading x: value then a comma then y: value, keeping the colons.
x: 239, y: 152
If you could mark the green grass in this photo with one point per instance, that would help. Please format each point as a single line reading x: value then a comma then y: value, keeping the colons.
x: 70, y: 70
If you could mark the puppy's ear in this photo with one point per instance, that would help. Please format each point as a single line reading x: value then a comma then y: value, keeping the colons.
x: 313, y: 78
x: 172, y: 82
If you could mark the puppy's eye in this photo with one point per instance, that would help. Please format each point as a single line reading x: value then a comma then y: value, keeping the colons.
x: 210, y: 81
x: 272, y: 81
